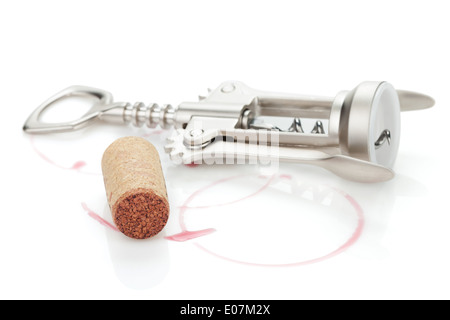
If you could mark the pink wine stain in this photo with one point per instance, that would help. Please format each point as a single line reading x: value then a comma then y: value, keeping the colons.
x: 351, y: 241
x: 195, y: 194
x: 188, y: 235
x: 185, y: 234
x: 153, y: 133
x: 99, y: 219
x: 76, y: 166
x: 191, y: 165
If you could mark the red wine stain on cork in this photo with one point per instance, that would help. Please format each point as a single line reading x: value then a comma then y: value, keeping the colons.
x: 96, y: 217
x: 187, y: 235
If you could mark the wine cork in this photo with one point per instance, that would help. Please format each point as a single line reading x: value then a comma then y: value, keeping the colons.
x: 135, y: 187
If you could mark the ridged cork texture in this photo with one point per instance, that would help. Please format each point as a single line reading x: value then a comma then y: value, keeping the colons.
x: 135, y: 187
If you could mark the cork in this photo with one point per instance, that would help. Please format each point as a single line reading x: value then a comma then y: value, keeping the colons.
x: 135, y: 187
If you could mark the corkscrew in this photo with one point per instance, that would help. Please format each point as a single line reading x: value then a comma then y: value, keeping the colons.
x: 355, y: 135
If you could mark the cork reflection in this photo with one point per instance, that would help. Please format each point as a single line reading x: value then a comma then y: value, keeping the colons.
x: 139, y: 264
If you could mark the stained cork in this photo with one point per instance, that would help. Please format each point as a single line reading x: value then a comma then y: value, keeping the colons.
x: 135, y: 187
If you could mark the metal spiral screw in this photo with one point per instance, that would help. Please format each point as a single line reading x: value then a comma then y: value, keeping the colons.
x: 150, y: 115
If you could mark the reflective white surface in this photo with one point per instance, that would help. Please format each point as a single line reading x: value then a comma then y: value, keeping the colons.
x: 298, y: 232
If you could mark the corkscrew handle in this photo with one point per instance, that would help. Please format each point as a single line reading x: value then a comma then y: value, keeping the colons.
x: 104, y: 109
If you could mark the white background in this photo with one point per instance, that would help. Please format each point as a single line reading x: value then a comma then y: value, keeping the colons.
x: 171, y: 51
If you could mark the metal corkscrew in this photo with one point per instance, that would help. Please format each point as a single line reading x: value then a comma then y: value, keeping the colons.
x: 355, y: 135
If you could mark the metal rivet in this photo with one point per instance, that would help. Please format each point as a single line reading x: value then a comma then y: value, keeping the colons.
x: 196, y: 132
x: 228, y: 88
